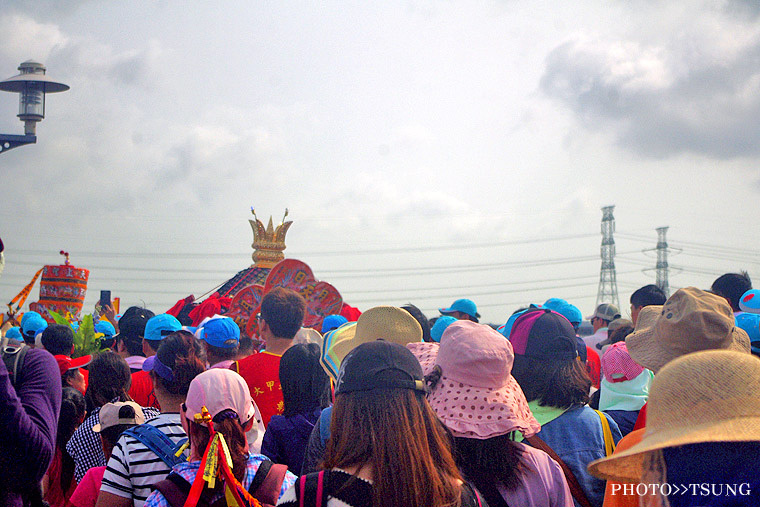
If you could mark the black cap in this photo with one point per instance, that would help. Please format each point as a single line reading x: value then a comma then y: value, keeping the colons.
x: 379, y: 364
x: 544, y: 334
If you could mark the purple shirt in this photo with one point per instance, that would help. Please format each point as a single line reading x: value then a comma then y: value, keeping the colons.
x: 29, y: 424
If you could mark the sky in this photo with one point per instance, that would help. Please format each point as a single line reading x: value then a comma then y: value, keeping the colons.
x: 426, y: 150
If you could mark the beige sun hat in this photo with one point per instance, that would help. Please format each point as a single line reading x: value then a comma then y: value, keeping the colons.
x: 690, y: 320
x: 708, y: 396
x: 387, y: 323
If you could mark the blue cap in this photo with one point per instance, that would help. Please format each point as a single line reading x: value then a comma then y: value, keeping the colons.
x: 161, y: 325
x: 14, y: 333
x: 34, y: 324
x: 28, y: 315
x: 506, y: 329
x: 462, y: 305
x: 750, y: 301
x: 441, y: 323
x: 567, y: 310
x: 333, y: 322
x: 74, y: 325
x: 220, y: 332
x: 106, y: 328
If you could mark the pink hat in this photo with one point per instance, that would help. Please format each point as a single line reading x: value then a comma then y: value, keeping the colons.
x: 617, y: 364
x: 219, y: 389
x: 476, y: 396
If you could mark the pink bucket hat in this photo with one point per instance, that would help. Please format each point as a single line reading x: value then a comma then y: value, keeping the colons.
x: 219, y: 389
x: 617, y: 364
x: 476, y: 397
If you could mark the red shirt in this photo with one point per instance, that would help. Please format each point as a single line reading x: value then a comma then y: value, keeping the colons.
x: 593, y: 366
x: 142, y: 390
x: 262, y: 374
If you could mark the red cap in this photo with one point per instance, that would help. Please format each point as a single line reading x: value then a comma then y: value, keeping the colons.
x: 65, y: 363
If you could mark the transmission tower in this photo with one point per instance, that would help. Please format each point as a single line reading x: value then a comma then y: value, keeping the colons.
x: 662, y: 261
x: 608, y: 292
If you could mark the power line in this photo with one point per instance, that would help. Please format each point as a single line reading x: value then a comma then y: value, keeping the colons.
x: 460, y: 246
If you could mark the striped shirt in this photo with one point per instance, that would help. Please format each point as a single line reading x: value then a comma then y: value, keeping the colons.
x: 133, y: 468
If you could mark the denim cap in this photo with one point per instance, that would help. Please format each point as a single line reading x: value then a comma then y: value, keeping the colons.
x: 106, y: 328
x: 220, y: 332
x: 34, y: 325
x: 462, y: 305
x: 441, y: 323
x: 567, y: 310
x: 333, y: 322
x: 160, y: 326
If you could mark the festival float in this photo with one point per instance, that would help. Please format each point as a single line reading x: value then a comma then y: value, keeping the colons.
x: 62, y: 290
x: 240, y: 296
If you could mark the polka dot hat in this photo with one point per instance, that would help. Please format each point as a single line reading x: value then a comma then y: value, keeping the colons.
x: 476, y: 396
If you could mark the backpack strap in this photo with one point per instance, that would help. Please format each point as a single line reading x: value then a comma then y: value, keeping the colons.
x: 311, y: 490
x: 471, y: 497
x: 267, y: 482
x: 572, y: 481
x: 609, y: 442
x: 161, y: 445
x: 174, y: 488
x: 14, y: 353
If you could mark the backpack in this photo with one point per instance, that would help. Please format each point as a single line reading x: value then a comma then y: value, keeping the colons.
x: 265, y: 487
x: 311, y: 492
x: 14, y: 353
x: 161, y: 445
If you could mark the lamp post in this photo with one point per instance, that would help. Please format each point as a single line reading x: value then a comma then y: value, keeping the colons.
x: 31, y: 84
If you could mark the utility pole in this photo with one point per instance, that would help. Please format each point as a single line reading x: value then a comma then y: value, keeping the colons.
x: 662, y: 261
x: 608, y: 291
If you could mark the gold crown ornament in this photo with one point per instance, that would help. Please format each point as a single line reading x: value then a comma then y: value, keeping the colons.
x: 268, y: 243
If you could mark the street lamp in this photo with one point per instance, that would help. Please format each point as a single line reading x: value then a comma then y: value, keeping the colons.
x: 31, y: 84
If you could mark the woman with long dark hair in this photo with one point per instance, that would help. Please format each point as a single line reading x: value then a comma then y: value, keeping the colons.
x: 482, y: 405
x: 386, y: 445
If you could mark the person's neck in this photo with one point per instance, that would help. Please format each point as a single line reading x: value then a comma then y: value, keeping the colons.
x: 168, y: 402
x: 277, y: 345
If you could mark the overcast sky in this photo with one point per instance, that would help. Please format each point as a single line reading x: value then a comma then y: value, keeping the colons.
x: 426, y: 150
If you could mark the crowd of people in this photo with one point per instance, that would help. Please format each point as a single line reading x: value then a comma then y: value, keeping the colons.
x: 392, y: 408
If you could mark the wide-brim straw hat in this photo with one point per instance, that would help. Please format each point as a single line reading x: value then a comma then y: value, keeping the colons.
x: 708, y: 396
x: 387, y: 323
x: 690, y: 320
x: 476, y: 396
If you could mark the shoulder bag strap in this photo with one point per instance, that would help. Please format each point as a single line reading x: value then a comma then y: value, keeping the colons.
x: 311, y: 490
x: 609, y: 443
x: 572, y: 481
